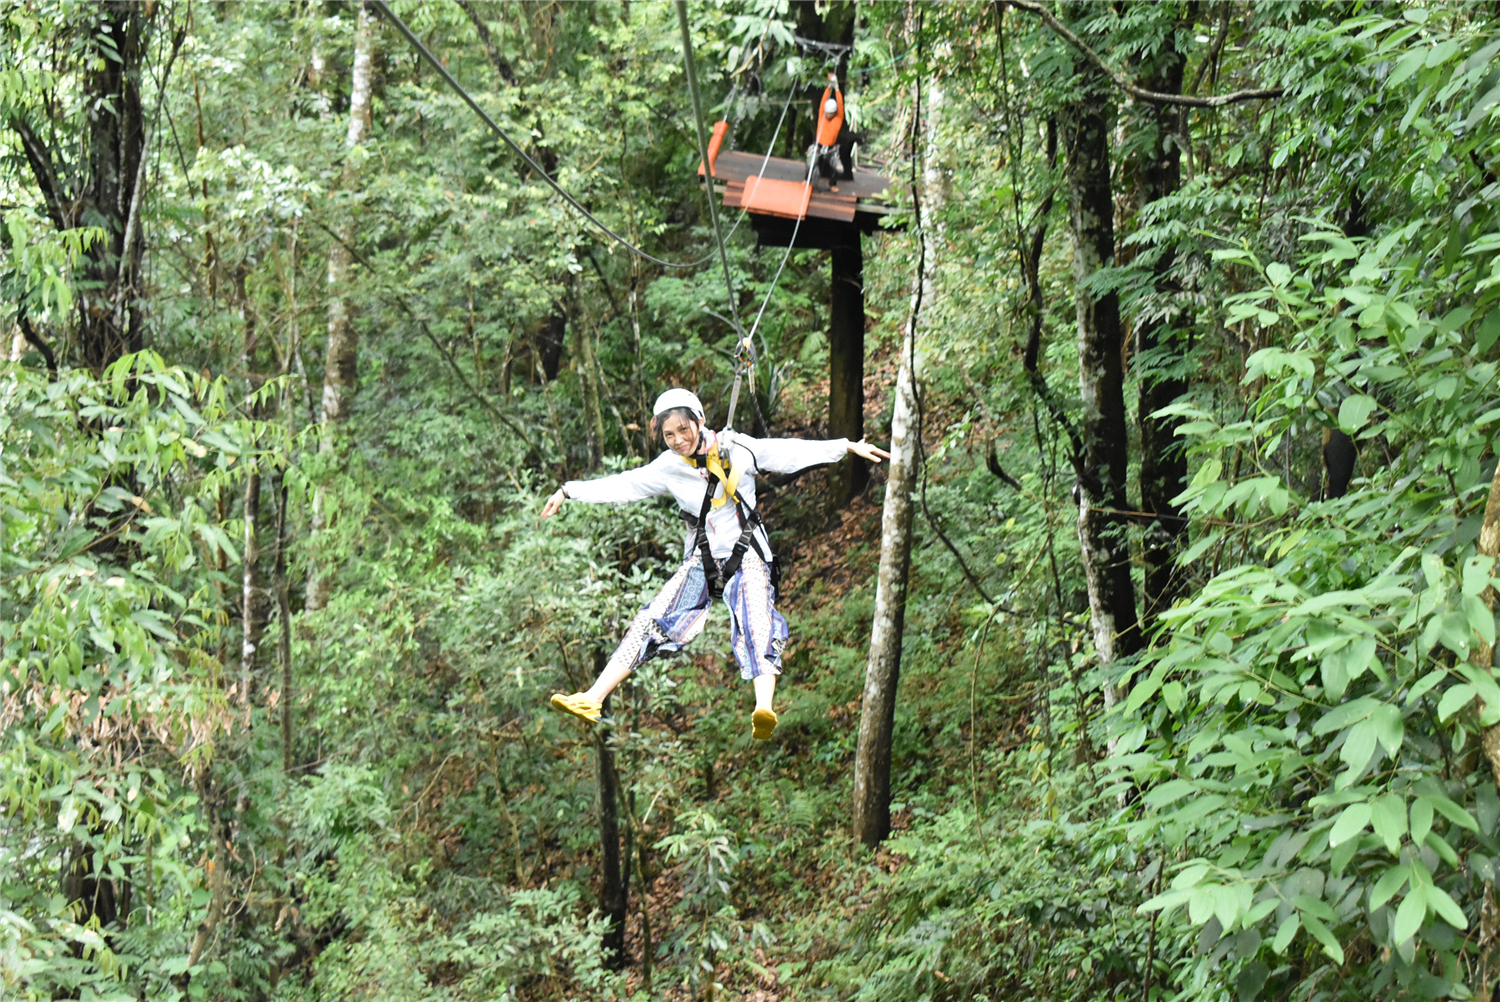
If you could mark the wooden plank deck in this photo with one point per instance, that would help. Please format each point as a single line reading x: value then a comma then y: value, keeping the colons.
x: 737, y: 165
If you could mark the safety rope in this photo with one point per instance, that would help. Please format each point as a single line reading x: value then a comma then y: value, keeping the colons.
x: 442, y: 70
x: 765, y: 159
x: 713, y: 215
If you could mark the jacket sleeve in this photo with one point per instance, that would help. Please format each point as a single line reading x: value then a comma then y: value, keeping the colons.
x: 788, y: 455
x: 632, y: 485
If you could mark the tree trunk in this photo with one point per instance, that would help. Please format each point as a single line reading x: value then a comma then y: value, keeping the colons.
x: 284, y: 612
x: 588, y: 376
x: 1160, y: 347
x: 114, y: 144
x: 1101, y: 488
x: 872, y: 756
x: 846, y: 360
x: 341, y: 364
x: 550, y: 338
x: 612, y: 890
x: 252, y: 589
x: 252, y: 583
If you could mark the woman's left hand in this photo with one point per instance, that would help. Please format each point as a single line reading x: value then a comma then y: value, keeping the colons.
x: 868, y: 451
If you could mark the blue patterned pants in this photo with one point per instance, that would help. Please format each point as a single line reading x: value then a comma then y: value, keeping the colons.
x: 671, y: 620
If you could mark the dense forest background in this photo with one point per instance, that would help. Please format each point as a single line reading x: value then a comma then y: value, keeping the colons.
x: 1185, y: 325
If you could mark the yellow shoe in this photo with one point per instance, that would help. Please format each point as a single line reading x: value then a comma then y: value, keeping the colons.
x: 578, y: 705
x: 763, y: 723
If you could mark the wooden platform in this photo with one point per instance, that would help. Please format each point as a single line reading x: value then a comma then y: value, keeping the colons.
x: 774, y: 192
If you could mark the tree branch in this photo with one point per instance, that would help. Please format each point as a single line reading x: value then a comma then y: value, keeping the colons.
x: 443, y: 351
x: 1123, y: 82
x: 41, y: 165
x: 37, y: 342
x: 501, y: 64
x: 128, y: 260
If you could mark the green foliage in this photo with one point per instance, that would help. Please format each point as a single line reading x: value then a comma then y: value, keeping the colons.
x: 1289, y: 799
x: 1307, y: 736
x: 111, y: 632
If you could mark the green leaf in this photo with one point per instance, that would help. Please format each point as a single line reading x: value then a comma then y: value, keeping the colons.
x: 1278, y: 273
x: 1424, y: 685
x: 1345, y: 714
x: 1355, y: 411
x: 1450, y: 810
x: 1388, y: 728
x: 1329, y: 941
x: 1441, y: 53
x: 1482, y: 107
x: 67, y: 815
x: 1406, y: 66
x: 1421, y: 818
x: 1488, y: 332
x: 1144, y: 690
x: 1286, y: 933
x: 1358, y: 749
x: 1410, y: 915
x: 1446, y: 908
x: 1388, y: 816
x: 1389, y: 883
x: 1350, y: 823
x: 1455, y: 698
x: 1479, y: 617
x: 1477, y: 570
x: 1201, y: 903
x: 1336, y: 673
x: 1168, y: 792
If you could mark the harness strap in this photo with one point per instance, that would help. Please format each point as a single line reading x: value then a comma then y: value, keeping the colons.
x: 714, y: 575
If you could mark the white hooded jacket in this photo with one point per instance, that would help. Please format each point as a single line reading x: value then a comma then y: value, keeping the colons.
x: 670, y: 474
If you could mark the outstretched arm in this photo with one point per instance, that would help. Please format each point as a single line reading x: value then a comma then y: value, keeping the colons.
x: 788, y: 455
x: 632, y: 485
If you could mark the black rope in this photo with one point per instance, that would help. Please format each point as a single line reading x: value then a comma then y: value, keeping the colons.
x: 389, y: 15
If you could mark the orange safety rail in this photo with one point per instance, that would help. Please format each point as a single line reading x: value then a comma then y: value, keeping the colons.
x: 721, y: 129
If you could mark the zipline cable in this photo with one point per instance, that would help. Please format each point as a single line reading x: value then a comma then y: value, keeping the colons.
x: 442, y: 70
x: 708, y: 183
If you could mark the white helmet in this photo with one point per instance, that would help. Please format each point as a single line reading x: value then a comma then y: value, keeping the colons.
x: 676, y: 397
x: 830, y: 107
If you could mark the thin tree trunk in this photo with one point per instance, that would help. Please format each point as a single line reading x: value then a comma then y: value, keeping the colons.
x: 340, y: 368
x: 252, y: 583
x: 588, y: 375
x: 549, y: 343
x: 612, y: 890
x: 872, y: 756
x: 1106, y: 548
x: 1161, y: 342
x: 846, y: 359
x: 252, y: 590
x: 284, y: 612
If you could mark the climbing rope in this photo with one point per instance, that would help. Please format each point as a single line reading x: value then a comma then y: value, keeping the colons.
x: 442, y: 70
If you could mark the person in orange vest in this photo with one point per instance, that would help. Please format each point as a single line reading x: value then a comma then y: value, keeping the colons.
x: 834, y: 145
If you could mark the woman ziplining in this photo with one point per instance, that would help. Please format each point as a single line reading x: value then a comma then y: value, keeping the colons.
x: 726, y: 550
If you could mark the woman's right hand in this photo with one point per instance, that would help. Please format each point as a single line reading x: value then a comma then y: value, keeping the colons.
x: 554, y: 503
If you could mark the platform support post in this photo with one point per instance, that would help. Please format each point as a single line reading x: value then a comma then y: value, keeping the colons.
x: 846, y: 359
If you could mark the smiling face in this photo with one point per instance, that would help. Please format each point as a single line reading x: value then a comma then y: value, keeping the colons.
x: 681, y: 434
